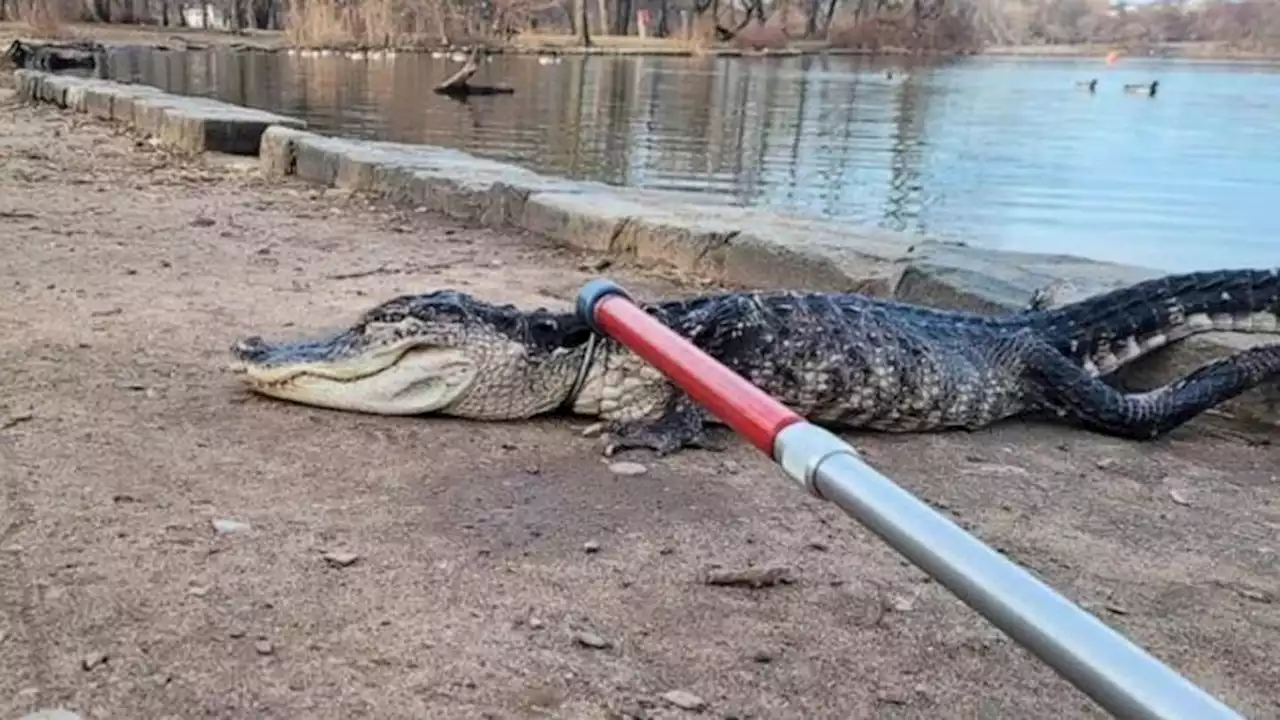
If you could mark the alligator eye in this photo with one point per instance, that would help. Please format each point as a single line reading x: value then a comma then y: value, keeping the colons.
x: 544, y: 330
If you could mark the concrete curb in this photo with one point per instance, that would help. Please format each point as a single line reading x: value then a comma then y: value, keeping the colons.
x: 731, y: 246
x: 728, y: 245
x: 187, y: 124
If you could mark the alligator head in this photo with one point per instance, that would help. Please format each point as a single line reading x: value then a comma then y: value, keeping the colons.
x: 442, y: 352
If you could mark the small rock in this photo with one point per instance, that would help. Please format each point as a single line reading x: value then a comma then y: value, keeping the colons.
x: 15, y: 420
x: 1105, y: 463
x: 1246, y: 593
x: 264, y: 647
x: 228, y: 527
x: 236, y: 634
x: 202, y: 222
x: 590, y: 547
x: 901, y: 604
x: 1179, y: 497
x: 762, y: 656
x: 596, y: 265
x: 93, y: 660
x: 198, y: 591
x: 536, y: 624
x: 55, y: 714
x: 1116, y: 609
x: 684, y: 700
x: 892, y: 696
x: 627, y: 468
x: 340, y: 559
x: 591, y: 640
x: 753, y: 578
x: 593, y: 430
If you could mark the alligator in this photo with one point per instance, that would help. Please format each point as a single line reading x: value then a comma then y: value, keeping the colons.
x: 842, y: 360
x: 54, y: 57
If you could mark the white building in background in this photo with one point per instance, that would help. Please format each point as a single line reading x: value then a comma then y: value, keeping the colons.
x: 205, y: 17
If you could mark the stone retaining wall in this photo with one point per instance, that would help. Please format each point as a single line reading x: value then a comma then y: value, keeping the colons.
x: 188, y: 124
x: 732, y: 246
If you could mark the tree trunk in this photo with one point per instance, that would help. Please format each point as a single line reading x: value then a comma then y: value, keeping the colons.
x: 602, y: 16
x: 261, y: 14
x: 811, y: 24
x: 457, y: 82
x: 622, y: 17
x: 584, y: 31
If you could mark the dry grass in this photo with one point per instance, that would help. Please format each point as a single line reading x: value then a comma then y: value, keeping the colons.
x: 43, y: 18
x: 401, y: 23
x: 757, y: 36
x: 333, y: 23
x: 896, y: 31
x: 701, y: 35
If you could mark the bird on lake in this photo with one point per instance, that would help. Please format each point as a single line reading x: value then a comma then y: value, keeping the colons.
x: 1091, y: 85
x: 892, y: 78
x: 1149, y: 90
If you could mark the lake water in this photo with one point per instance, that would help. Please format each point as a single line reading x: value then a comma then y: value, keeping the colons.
x: 1002, y: 153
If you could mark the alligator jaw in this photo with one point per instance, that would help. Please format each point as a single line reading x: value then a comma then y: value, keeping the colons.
x: 404, y: 379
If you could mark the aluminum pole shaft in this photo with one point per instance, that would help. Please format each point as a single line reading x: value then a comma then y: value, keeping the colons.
x: 1102, y: 663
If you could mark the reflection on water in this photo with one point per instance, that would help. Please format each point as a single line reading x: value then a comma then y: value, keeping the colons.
x: 998, y: 152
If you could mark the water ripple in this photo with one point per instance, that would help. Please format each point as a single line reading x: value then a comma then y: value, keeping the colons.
x: 999, y: 152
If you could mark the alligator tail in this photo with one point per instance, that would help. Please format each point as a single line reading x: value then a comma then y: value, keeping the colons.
x: 1108, y: 330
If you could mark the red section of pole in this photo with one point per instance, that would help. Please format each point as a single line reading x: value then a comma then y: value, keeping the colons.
x: 750, y: 411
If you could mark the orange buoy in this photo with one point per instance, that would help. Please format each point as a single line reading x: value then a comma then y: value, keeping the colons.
x: 1112, y: 57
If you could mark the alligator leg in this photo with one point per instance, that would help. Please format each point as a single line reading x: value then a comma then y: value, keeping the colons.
x: 681, y: 424
x: 1072, y: 392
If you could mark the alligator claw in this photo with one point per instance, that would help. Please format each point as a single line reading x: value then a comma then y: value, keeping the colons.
x: 679, y: 428
x: 660, y: 443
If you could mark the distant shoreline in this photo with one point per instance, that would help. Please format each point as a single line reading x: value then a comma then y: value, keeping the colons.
x: 636, y: 46
x: 1165, y: 51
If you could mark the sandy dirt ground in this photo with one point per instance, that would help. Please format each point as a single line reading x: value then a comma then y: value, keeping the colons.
x: 502, y: 570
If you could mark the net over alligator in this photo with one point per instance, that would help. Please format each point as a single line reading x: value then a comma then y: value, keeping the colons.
x: 841, y: 360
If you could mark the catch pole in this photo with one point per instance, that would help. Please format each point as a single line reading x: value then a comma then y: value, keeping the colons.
x: 1102, y: 663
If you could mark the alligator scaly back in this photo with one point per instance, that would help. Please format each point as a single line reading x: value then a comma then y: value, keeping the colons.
x: 1112, y: 329
x: 842, y: 360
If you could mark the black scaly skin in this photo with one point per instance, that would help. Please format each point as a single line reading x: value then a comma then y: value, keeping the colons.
x: 857, y: 362
x: 841, y: 360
